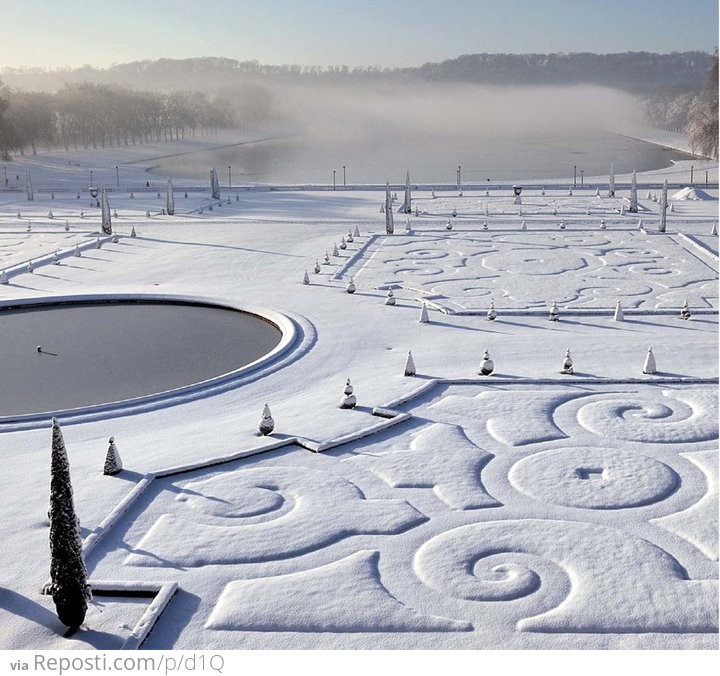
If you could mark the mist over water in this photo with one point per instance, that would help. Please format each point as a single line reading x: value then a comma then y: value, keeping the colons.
x: 496, y: 133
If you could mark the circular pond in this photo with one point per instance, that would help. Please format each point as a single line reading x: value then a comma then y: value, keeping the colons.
x: 67, y: 355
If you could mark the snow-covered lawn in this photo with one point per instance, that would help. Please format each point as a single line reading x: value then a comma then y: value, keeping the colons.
x: 525, y: 509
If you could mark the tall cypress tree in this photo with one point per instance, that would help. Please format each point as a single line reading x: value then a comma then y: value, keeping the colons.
x: 69, y: 587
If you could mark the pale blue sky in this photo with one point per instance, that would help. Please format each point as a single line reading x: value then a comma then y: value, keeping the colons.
x: 349, y: 32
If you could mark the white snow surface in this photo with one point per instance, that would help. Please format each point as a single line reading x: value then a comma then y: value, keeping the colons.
x: 522, y: 510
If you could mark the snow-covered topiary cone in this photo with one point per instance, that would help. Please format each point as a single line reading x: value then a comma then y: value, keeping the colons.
x: 487, y: 209
x: 266, y: 424
x: 602, y: 224
x: 448, y: 225
x: 335, y: 251
x: 326, y: 259
x: 132, y: 195
x: 4, y: 278
x: 622, y: 209
x: 29, y: 226
x: 68, y: 575
x: 50, y: 215
x: 562, y: 225
x: 597, y: 192
x: 82, y: 214
x: 524, y: 225
x: 640, y: 224
x: 492, y: 312
x: 519, y: 212
x: 317, y: 267
x: 132, y: 232
x: 410, y: 369
x: 650, y: 367
x: 424, y: 319
x: 648, y: 196
x: 306, y: 278
x: 382, y: 208
x: 77, y: 253
x: 486, y: 365
x: 570, y: 192
x: 685, y: 311
x: 30, y: 267
x: 713, y: 230
x: 485, y: 225
x: 349, y: 400
x: 390, y: 299
x: 56, y: 259
x: 98, y: 243
x: 67, y: 226
x: 113, y: 463
x: 147, y: 213
x: 432, y: 194
x: 357, y: 231
x: 350, y: 287
x: 567, y: 365
x: 115, y: 213
x: 555, y: 211
x: 618, y: 316
x: 343, y: 245
x: 554, y: 314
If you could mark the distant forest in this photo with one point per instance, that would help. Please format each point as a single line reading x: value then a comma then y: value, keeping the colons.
x: 167, y: 98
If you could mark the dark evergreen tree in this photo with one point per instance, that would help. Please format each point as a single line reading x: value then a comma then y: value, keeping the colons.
x: 69, y: 587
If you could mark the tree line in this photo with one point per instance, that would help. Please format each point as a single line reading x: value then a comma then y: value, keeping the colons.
x: 88, y: 115
x: 688, y: 110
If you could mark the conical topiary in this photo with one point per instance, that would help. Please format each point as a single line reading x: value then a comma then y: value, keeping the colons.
x: 350, y: 287
x: 77, y: 253
x: 424, y: 319
x: 524, y: 225
x: 554, y: 314
x: 68, y: 576
x: 67, y: 226
x: 567, y: 365
x: 113, y: 463
x: 685, y: 311
x: 266, y: 424
x: 326, y: 259
x: 650, y: 367
x: 56, y: 259
x: 349, y: 400
x: 30, y: 267
x: 618, y: 316
x: 335, y: 251
x: 132, y: 232
x: 50, y: 215
x: 4, y: 278
x: 492, y: 312
x: 390, y: 299
x: 98, y: 243
x: 356, y: 233
x: 410, y: 369
x: 713, y: 230
x: 317, y: 267
x: 487, y: 365
x: 306, y: 278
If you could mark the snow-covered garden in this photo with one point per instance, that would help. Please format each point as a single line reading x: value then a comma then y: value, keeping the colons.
x: 516, y: 483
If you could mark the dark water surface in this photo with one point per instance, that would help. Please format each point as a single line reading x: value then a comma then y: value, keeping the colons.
x: 312, y: 159
x: 105, y: 352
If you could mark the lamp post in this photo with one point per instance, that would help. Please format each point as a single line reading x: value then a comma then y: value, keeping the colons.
x: 117, y: 176
x: 229, y: 176
x: 6, y: 178
x: 459, y: 176
x: 574, y: 175
x: 691, y: 174
x: 582, y: 177
x: 333, y: 179
x: 91, y: 177
x: 345, y: 182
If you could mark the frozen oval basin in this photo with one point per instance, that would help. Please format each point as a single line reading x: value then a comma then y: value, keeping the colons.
x: 56, y: 356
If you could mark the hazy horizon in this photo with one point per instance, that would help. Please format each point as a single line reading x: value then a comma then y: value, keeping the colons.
x: 355, y: 33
